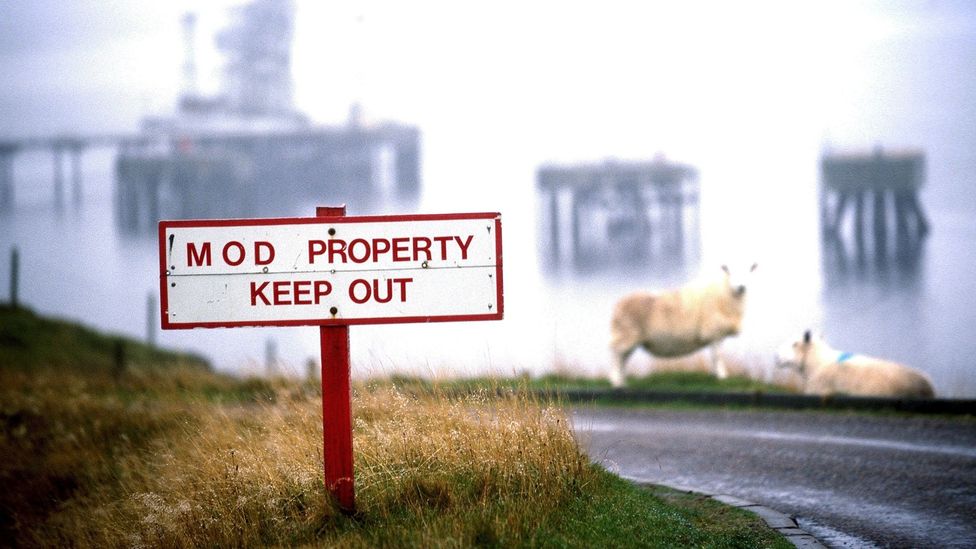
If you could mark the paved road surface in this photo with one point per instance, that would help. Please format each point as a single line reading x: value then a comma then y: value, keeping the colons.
x: 852, y: 480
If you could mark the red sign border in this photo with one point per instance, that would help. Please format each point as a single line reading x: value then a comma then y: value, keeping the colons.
x: 253, y: 222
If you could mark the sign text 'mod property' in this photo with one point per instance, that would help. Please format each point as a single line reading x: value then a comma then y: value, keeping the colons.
x: 323, y: 271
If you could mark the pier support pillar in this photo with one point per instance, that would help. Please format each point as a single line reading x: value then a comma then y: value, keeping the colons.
x: 913, y: 205
x: 153, y: 183
x: 123, y: 194
x: 574, y: 233
x: 6, y: 179
x: 554, y: 241
x: 824, y: 211
x: 76, y: 188
x: 58, y: 178
x: 902, y: 234
x: 835, y: 223
x: 408, y: 166
x: 859, y: 218
x: 679, y: 221
x: 880, y: 224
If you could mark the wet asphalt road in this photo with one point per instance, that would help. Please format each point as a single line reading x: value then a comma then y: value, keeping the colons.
x: 852, y: 480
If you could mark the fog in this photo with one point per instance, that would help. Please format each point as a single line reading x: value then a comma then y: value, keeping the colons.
x: 749, y: 93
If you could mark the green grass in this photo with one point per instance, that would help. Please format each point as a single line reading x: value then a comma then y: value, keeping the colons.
x: 610, y: 512
x: 701, y: 382
x: 615, y: 509
x: 690, y: 382
x: 31, y: 341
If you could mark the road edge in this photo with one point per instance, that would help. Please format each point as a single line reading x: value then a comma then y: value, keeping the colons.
x: 758, y: 399
x: 783, y: 524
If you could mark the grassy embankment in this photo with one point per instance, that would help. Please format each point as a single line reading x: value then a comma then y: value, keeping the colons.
x: 664, y: 381
x: 167, y: 453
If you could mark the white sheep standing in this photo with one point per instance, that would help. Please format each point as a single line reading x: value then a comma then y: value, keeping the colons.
x: 679, y: 321
x: 827, y: 371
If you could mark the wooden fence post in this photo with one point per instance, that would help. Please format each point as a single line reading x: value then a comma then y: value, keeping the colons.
x: 14, y: 277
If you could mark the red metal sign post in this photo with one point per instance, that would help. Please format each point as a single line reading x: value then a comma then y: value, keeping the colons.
x: 336, y: 399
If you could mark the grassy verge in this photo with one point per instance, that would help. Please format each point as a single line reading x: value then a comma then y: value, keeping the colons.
x: 691, y: 382
x: 94, y: 466
x: 31, y: 341
x: 620, y: 514
x: 180, y: 456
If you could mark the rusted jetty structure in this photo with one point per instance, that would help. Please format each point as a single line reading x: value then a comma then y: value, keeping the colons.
x: 882, y: 188
x: 245, y: 151
x: 615, y: 213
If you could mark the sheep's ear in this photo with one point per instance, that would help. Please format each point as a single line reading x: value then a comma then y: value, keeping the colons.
x: 725, y: 268
x: 806, y: 336
x: 753, y: 268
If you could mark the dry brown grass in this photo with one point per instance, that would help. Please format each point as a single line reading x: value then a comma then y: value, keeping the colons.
x: 509, y: 446
x: 91, y: 466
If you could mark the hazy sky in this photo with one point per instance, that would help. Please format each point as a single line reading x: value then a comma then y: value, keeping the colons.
x: 705, y: 82
x: 678, y: 67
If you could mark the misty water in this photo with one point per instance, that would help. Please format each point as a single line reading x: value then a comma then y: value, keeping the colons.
x: 757, y: 149
x: 75, y: 264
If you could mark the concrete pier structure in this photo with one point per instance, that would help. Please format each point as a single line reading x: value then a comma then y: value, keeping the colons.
x: 888, y: 224
x: 66, y: 154
x: 619, y: 213
x: 264, y: 174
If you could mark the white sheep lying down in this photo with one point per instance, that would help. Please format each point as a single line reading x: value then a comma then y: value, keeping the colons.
x: 678, y: 322
x: 827, y: 371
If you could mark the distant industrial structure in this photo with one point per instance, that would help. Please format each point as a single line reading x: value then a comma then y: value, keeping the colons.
x: 619, y: 213
x: 245, y: 151
x: 881, y: 186
x: 888, y: 224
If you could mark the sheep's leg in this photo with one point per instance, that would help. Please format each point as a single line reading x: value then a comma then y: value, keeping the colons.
x: 718, y: 366
x: 617, y: 369
x: 624, y: 338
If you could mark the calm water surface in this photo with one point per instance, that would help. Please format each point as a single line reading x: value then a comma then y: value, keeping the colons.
x: 75, y: 265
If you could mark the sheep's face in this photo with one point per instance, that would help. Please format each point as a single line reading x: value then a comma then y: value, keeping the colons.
x: 738, y: 279
x: 795, y: 354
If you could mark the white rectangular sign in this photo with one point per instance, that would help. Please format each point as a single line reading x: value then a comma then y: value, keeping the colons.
x: 330, y: 270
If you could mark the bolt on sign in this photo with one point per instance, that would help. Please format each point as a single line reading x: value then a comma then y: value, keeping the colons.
x: 331, y: 271
x: 318, y: 271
